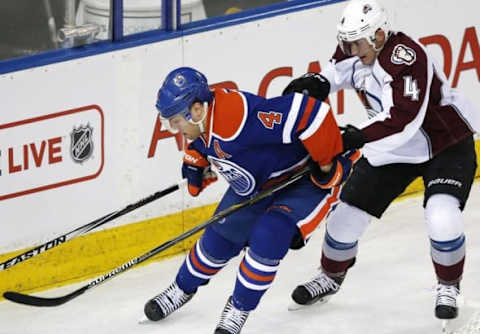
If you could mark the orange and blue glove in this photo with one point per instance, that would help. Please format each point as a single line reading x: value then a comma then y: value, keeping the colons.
x: 196, y: 169
x: 341, y: 168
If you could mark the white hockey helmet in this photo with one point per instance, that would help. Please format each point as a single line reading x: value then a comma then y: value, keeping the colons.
x: 361, y: 19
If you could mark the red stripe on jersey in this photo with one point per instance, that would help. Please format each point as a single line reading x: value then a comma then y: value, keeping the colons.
x: 326, y: 142
x: 309, y: 227
x: 306, y: 114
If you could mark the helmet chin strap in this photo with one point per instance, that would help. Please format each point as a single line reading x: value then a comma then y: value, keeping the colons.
x: 200, y: 122
x: 372, y: 42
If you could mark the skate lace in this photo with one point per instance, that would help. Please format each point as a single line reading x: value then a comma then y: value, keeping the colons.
x: 232, y: 319
x: 447, y: 295
x: 171, y: 299
x: 320, y: 285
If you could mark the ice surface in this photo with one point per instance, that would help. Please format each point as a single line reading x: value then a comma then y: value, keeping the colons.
x: 388, y: 290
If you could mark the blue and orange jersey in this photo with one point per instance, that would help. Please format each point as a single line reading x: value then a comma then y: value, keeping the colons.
x: 253, y: 141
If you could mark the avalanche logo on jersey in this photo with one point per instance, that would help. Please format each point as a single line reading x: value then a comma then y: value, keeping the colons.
x: 403, y: 55
x: 241, y: 181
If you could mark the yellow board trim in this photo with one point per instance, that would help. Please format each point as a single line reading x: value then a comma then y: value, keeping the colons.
x: 97, y: 253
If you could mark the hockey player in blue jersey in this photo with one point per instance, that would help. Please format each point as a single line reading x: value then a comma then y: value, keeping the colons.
x: 253, y: 142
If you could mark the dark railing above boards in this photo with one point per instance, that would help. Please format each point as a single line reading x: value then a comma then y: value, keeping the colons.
x: 76, y: 39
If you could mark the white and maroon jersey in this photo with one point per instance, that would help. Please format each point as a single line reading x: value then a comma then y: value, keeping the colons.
x: 413, y: 114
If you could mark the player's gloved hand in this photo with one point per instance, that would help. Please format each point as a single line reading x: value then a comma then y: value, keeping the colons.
x: 196, y: 169
x: 341, y: 168
x: 311, y: 84
x: 353, y: 138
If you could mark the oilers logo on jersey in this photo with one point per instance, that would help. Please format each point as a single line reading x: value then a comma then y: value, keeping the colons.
x: 241, y: 181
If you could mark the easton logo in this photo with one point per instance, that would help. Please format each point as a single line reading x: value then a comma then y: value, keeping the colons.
x: 82, y: 144
x: 33, y: 252
x: 403, y: 55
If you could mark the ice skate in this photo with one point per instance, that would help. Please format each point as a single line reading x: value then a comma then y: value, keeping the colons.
x: 446, y: 301
x: 231, y: 320
x: 318, y: 290
x: 166, y: 302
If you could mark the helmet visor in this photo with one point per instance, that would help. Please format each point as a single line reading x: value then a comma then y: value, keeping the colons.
x: 177, y: 122
x: 355, y: 47
x: 345, y: 46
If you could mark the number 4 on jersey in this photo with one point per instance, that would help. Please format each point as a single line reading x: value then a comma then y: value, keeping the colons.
x: 410, y: 88
x: 269, y: 119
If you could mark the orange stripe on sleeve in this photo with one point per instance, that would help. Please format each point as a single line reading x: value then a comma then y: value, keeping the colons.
x: 306, y: 114
x: 326, y: 142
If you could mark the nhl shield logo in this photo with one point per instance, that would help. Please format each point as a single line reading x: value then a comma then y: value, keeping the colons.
x: 81, y: 147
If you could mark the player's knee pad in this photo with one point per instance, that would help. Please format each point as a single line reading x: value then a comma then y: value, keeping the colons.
x: 216, y: 246
x: 443, y: 218
x: 272, y: 234
x: 347, y: 223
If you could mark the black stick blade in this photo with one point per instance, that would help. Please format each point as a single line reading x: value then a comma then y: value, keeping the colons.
x: 21, y: 298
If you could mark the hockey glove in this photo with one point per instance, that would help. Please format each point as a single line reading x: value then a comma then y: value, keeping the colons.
x: 353, y: 138
x: 196, y: 169
x: 311, y: 84
x: 341, y: 168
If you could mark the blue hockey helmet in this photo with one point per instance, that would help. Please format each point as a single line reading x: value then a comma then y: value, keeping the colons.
x: 181, y: 88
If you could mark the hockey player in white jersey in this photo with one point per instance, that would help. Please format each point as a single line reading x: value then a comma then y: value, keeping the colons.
x: 417, y: 127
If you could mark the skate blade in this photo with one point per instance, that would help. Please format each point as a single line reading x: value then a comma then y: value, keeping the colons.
x: 144, y: 321
x: 293, y: 306
x: 446, y: 328
x: 468, y: 320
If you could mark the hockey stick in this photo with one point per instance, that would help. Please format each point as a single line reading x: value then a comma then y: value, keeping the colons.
x: 41, y: 301
x: 87, y: 227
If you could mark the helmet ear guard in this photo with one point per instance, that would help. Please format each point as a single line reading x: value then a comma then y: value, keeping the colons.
x: 362, y: 19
